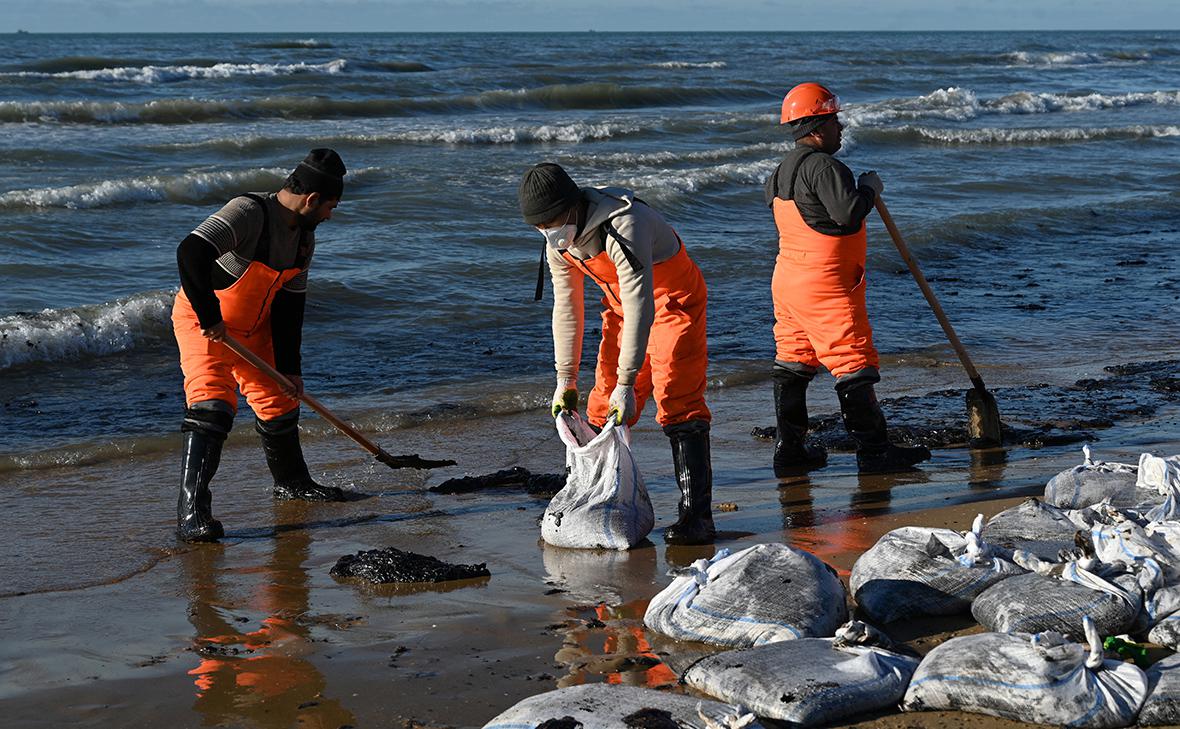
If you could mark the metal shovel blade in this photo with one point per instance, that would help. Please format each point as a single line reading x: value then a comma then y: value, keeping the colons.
x: 984, y: 428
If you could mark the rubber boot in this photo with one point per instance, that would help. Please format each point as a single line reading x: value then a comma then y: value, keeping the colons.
x: 694, y: 476
x: 866, y: 424
x: 284, y: 457
x: 198, y: 464
x: 792, y: 454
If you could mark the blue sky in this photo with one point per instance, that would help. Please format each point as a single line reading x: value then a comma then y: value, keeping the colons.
x: 311, y: 16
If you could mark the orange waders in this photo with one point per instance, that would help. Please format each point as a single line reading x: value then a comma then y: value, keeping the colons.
x: 211, y: 370
x: 819, y: 296
x: 677, y: 351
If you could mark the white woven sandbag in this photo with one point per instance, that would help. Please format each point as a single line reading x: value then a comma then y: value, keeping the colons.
x: 604, y: 504
x: 1042, y: 679
x: 606, y: 706
x: 808, y: 682
x: 763, y: 594
x: 1162, y: 707
x: 914, y: 571
x: 1057, y: 596
x: 1034, y: 526
x: 1092, y: 482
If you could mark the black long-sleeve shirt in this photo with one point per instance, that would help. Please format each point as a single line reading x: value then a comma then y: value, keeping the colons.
x: 825, y: 192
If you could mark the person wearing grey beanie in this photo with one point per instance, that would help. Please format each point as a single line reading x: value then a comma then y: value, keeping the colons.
x: 653, y: 323
x: 243, y: 272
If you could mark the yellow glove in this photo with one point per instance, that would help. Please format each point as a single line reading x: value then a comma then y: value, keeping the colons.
x: 565, y: 397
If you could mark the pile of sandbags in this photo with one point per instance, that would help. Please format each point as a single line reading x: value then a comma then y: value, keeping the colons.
x: 808, y: 681
x: 914, y: 571
x: 763, y: 594
x: 1043, y: 678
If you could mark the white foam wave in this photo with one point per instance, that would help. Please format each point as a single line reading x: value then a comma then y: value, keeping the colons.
x: 689, y: 64
x: 700, y: 155
x: 668, y: 184
x: 1071, y: 58
x: 169, y: 74
x: 959, y: 104
x: 988, y: 135
x: 190, y: 188
x: 62, y: 334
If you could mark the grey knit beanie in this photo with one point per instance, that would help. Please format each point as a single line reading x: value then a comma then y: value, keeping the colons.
x: 545, y: 191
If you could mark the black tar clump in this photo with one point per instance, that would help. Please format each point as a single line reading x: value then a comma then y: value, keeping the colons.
x: 389, y: 565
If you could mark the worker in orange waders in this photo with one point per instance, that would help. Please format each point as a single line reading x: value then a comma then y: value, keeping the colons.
x: 819, y: 291
x: 243, y: 272
x: 653, y: 323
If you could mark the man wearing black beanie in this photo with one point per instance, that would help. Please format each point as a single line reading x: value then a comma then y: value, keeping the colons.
x: 243, y: 271
x: 653, y: 323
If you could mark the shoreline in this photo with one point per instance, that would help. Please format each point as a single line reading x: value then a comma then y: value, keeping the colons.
x: 255, y: 632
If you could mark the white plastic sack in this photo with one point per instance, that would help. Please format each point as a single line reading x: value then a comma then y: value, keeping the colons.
x: 1043, y: 679
x: 604, y: 504
x: 808, y: 682
x: 1092, y: 482
x: 915, y: 571
x: 605, y: 706
x: 763, y: 594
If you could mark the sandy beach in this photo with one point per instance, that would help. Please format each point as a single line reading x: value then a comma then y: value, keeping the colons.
x: 110, y: 622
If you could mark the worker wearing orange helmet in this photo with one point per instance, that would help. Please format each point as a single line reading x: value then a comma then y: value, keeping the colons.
x: 819, y: 290
x: 653, y: 323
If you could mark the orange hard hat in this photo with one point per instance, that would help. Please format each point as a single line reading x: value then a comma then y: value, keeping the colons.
x: 809, y: 99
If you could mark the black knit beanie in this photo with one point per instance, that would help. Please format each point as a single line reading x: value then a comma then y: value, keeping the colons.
x: 800, y: 128
x: 545, y: 192
x: 321, y: 171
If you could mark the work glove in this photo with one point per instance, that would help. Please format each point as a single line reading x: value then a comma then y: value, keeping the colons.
x: 565, y: 397
x: 872, y: 181
x: 622, y: 404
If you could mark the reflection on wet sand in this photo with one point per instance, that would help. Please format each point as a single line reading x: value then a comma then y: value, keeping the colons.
x: 605, y: 638
x: 256, y: 672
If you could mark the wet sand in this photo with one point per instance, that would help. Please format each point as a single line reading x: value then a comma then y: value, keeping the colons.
x: 107, y: 621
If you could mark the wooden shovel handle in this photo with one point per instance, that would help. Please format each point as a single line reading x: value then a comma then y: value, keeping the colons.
x: 904, y: 250
x: 313, y: 403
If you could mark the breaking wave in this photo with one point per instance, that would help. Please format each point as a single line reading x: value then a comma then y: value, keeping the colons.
x: 172, y: 74
x: 669, y: 184
x: 1004, y: 136
x: 689, y: 64
x: 293, y: 43
x: 959, y: 104
x: 1071, y: 58
x: 54, y: 335
x: 192, y: 188
x: 182, y: 111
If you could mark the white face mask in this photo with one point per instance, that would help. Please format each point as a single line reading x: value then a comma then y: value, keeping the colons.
x: 560, y: 237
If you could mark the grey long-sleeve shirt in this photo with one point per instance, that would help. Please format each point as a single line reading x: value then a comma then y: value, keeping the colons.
x: 649, y: 240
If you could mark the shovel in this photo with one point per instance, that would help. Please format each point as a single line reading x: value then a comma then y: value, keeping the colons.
x: 983, y: 415
x: 392, y: 461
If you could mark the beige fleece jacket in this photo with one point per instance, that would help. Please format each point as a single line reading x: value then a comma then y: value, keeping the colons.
x: 650, y: 240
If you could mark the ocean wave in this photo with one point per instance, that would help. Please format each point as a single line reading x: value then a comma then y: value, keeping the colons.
x: 197, y: 187
x: 689, y: 64
x: 293, y: 43
x: 1071, y: 58
x: 959, y: 104
x: 670, y: 184
x: 182, y: 111
x: 53, y: 335
x: 393, y: 66
x: 1004, y: 136
x: 172, y: 74
x: 668, y: 158
x: 524, y: 134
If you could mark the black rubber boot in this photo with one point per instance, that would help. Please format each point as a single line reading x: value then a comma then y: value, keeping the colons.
x: 866, y: 424
x: 792, y: 454
x: 204, y: 432
x: 284, y: 457
x: 694, y: 476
